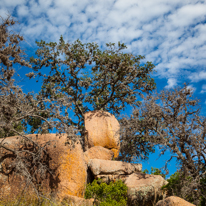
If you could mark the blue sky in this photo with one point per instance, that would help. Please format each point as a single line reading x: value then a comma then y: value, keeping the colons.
x: 171, y: 34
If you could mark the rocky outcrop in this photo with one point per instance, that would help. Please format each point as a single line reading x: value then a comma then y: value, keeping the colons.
x: 144, y: 188
x: 173, y: 201
x: 111, y: 170
x: 106, y: 167
x: 98, y: 152
x: 72, y: 168
x: 66, y: 163
x: 102, y: 129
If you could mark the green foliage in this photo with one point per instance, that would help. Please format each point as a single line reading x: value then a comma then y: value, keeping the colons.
x: 114, y: 194
x: 17, y: 126
x: 113, y: 79
x: 154, y: 171
x: 174, y: 187
x: 203, y: 200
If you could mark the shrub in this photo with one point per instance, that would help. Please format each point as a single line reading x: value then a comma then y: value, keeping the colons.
x: 112, y: 194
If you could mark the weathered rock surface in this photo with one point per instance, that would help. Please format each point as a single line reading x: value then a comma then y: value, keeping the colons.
x: 111, y: 178
x: 102, y: 129
x: 103, y: 167
x: 98, y: 152
x: 144, y: 188
x: 174, y: 201
x: 73, y: 200
x: 72, y: 168
x: 67, y: 163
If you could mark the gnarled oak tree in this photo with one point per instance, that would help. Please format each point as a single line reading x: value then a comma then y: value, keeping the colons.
x: 90, y: 77
x: 171, y: 119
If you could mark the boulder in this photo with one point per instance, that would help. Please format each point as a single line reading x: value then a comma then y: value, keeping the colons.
x: 108, y: 167
x: 174, y: 201
x: 102, y: 129
x: 98, y: 152
x: 11, y: 183
x: 66, y: 162
x: 111, y: 178
x: 144, y: 189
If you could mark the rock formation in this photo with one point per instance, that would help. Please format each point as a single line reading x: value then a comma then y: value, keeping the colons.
x: 144, y: 188
x: 106, y: 167
x: 98, y: 152
x: 72, y: 168
x: 66, y: 163
x: 141, y: 187
x: 173, y: 201
x: 102, y: 129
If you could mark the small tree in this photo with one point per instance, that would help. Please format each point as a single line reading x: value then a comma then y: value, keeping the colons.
x: 171, y: 120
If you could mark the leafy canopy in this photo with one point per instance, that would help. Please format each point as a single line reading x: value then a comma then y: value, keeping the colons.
x: 90, y: 77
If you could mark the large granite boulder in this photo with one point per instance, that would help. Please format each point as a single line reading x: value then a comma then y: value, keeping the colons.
x: 102, y: 129
x: 65, y: 161
x: 144, y: 189
x: 112, y: 170
x: 174, y: 201
x: 98, y: 152
x: 101, y: 167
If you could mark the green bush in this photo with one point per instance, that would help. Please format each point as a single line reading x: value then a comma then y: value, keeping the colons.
x: 174, y: 186
x: 113, y: 194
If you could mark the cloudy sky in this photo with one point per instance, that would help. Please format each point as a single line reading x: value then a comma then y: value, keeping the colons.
x: 170, y: 33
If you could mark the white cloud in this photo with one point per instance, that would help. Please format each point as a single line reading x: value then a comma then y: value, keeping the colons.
x: 11, y: 3
x: 198, y: 76
x: 23, y: 10
x: 171, y: 34
x: 203, y: 88
x: 4, y: 13
x: 171, y: 83
x: 188, y: 15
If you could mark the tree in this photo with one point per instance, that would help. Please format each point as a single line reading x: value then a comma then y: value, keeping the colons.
x: 91, y: 78
x: 171, y: 119
x: 18, y: 108
x: 116, y: 80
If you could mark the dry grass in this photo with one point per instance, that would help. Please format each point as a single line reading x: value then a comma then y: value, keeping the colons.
x: 31, y: 200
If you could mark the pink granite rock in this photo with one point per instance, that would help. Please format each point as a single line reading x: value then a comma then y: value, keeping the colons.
x: 101, y: 167
x: 98, y: 152
x: 174, y: 201
x: 144, y: 188
x: 67, y: 163
x: 102, y: 129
